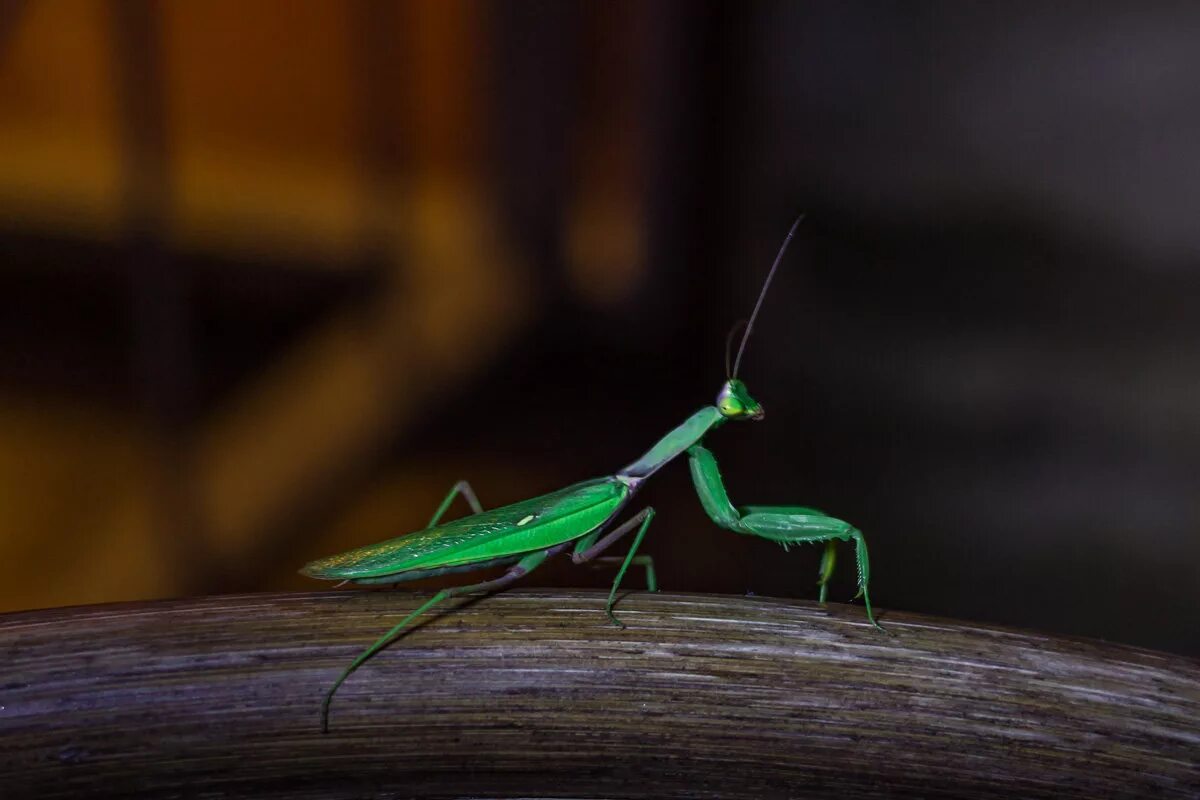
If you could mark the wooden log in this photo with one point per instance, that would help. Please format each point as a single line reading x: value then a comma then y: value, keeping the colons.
x: 534, y: 694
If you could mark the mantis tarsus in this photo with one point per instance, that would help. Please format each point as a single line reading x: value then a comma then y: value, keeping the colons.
x: 523, y: 535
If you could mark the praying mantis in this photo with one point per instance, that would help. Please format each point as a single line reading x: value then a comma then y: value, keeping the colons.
x: 521, y: 536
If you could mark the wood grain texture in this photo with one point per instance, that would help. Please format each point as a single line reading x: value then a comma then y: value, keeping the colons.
x: 534, y: 694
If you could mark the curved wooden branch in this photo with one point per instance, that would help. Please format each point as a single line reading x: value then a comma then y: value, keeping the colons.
x: 534, y: 694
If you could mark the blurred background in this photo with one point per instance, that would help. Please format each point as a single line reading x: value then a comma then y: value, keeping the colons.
x: 275, y: 274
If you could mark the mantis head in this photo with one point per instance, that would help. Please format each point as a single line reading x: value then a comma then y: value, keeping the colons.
x: 734, y: 402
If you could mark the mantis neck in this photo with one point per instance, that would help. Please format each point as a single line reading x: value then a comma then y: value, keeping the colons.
x: 693, y: 429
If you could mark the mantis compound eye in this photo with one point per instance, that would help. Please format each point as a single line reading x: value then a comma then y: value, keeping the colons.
x: 729, y: 407
x: 728, y: 403
x: 734, y: 402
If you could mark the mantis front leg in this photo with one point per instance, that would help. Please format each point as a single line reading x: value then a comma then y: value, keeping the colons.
x: 783, y: 524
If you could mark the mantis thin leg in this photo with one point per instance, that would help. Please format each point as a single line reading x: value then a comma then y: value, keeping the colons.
x: 586, y: 550
x: 463, y: 488
x: 638, y: 561
x: 519, y: 570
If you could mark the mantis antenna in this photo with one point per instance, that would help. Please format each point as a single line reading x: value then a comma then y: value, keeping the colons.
x: 729, y: 345
x: 737, y: 362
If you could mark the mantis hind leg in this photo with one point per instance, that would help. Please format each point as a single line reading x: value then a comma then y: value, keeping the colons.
x: 463, y: 488
x: 588, y: 548
x: 519, y: 570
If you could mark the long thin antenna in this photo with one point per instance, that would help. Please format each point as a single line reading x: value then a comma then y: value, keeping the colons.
x: 729, y: 346
x: 737, y: 362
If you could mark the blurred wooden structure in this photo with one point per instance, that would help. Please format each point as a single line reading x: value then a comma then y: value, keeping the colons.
x: 343, y: 139
x: 534, y: 694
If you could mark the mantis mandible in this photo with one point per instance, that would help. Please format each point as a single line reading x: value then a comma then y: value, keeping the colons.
x: 523, y: 535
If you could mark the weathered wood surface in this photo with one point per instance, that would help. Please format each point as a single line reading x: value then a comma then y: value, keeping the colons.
x: 533, y: 694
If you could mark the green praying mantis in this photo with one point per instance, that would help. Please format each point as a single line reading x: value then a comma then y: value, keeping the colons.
x: 523, y: 535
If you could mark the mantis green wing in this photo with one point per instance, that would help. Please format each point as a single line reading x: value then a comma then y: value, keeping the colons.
x: 513, y: 530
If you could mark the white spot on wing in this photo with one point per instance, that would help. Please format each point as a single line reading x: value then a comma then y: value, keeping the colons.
x: 526, y: 521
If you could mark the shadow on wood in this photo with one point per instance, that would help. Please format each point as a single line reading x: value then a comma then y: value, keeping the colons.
x: 534, y: 694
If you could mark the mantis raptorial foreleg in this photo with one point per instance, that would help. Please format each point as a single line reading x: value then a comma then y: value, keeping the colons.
x: 783, y: 524
x: 516, y: 572
x: 588, y: 548
x: 463, y: 488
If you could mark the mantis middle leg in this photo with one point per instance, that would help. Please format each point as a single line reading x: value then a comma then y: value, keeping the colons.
x: 784, y: 524
x: 646, y: 562
x: 588, y: 548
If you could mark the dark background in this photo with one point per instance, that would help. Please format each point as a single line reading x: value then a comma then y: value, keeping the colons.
x: 275, y: 275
